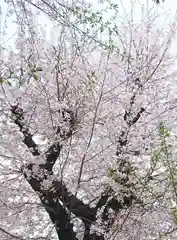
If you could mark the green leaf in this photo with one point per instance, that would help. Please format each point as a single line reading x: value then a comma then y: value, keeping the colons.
x: 167, y: 134
x: 5, y: 81
x: 175, y: 215
x: 112, y: 173
x: 1, y: 81
x: 35, y: 75
x: 161, y: 130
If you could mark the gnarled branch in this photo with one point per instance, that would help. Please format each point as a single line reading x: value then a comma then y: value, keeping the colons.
x: 57, y: 200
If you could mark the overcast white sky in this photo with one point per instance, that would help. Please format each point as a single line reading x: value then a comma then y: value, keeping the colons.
x: 170, y: 6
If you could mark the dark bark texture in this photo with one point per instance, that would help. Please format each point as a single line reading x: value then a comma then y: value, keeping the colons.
x: 57, y: 200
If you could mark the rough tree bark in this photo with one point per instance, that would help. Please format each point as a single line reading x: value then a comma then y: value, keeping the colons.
x: 57, y: 200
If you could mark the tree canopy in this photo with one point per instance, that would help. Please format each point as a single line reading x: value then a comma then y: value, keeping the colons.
x: 88, y: 122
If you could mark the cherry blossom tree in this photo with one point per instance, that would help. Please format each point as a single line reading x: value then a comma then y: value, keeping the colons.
x: 88, y: 130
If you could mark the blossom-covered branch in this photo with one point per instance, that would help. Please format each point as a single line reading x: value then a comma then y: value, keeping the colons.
x: 56, y: 192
